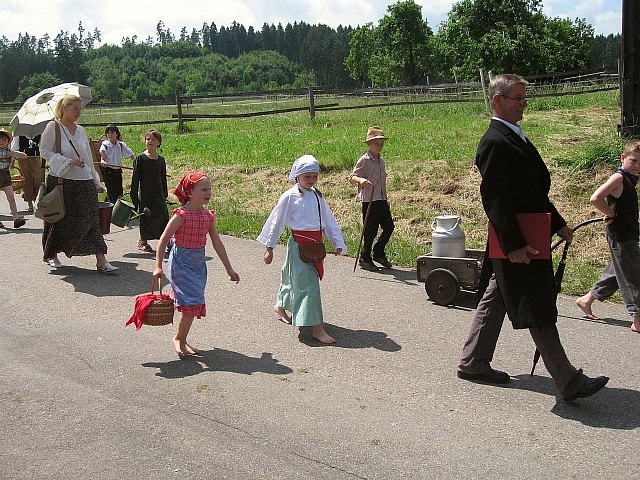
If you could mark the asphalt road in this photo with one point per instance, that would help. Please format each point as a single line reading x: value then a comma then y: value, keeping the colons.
x: 83, y: 396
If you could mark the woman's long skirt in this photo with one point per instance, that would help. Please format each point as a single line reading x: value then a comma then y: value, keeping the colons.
x: 299, y: 291
x: 78, y: 233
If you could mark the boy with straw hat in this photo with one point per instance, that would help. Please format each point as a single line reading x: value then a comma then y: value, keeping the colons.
x: 370, y: 176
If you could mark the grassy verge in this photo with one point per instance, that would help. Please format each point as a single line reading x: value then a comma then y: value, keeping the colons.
x: 430, y: 159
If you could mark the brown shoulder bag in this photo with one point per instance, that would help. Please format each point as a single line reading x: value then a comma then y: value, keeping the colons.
x: 312, y: 252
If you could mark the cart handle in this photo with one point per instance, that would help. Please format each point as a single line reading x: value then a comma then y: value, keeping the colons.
x: 576, y: 227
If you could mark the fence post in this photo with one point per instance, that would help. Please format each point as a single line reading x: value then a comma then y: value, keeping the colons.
x: 179, y: 105
x: 630, y: 92
x: 620, y: 65
x: 312, y: 107
x: 484, y: 90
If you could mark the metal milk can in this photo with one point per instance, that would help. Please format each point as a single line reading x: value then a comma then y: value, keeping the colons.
x: 447, y: 237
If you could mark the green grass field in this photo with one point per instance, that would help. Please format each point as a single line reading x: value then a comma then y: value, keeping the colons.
x: 429, y: 155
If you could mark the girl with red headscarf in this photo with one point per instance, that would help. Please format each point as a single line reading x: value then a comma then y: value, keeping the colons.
x: 186, y: 267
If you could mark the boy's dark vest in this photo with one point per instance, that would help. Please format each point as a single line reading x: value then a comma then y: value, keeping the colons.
x: 625, y: 226
x: 29, y: 146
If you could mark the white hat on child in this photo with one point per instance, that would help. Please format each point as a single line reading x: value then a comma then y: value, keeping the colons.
x: 304, y: 164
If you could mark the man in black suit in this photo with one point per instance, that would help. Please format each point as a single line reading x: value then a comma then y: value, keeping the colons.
x: 516, y: 180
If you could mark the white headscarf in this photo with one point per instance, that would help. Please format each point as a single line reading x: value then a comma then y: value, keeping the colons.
x: 304, y: 164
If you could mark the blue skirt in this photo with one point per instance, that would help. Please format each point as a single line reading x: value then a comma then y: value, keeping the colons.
x: 299, y: 291
x: 187, y: 273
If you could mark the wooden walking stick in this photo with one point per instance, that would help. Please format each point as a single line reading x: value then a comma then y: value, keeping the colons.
x: 113, y: 165
x: 364, y: 226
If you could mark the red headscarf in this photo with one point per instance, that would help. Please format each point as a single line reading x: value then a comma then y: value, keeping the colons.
x: 185, y: 187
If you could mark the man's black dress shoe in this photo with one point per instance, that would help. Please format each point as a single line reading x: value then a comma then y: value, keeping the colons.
x: 382, y: 259
x: 588, y: 388
x: 368, y: 265
x: 492, y: 376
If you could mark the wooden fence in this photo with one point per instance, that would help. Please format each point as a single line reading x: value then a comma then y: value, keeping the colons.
x: 190, y: 108
x: 567, y: 83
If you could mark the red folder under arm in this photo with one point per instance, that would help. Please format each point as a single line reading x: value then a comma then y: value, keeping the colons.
x: 536, y: 230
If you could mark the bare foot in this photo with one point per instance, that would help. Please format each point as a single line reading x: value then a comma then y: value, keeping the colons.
x: 177, y: 347
x: 284, y: 318
x: 191, y: 350
x: 585, y: 306
x: 183, y: 349
x: 634, y: 328
x: 322, y: 336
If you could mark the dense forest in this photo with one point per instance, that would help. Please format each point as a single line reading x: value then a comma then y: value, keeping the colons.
x: 400, y: 50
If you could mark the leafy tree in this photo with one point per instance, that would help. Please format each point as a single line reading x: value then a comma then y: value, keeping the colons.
x: 163, y: 35
x: 268, y: 35
x: 69, y: 58
x: 363, y: 46
x: 106, y: 80
x: 404, y: 36
x: 508, y: 36
x: 570, y: 41
x: 605, y: 51
x: 494, y: 34
x: 32, y: 84
x: 395, y: 52
x: 257, y: 70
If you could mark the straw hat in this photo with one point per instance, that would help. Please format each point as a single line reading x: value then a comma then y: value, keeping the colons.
x: 7, y: 133
x: 374, y: 133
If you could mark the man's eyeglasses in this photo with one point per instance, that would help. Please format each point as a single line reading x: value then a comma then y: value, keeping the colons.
x: 520, y: 100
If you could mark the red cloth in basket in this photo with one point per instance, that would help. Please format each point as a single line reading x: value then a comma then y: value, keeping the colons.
x: 141, y: 306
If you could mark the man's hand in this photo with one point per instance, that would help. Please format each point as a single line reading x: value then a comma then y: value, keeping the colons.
x: 566, y: 234
x: 522, y: 254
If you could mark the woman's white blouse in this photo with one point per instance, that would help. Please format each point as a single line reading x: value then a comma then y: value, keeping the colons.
x: 300, y: 212
x: 59, y: 162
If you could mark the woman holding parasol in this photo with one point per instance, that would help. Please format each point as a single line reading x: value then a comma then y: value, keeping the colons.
x: 65, y: 146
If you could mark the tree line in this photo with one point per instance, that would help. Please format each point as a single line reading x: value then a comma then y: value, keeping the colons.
x: 499, y: 35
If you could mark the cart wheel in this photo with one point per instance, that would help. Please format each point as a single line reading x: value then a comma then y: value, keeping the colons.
x: 442, y: 286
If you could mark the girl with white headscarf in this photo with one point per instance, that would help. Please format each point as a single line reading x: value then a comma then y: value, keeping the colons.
x: 306, y: 212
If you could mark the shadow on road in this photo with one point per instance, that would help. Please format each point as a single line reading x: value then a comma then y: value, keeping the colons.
x: 408, y: 277
x: 404, y: 276
x: 347, y: 338
x: 126, y: 282
x: 615, y: 322
x: 613, y: 408
x: 219, y: 360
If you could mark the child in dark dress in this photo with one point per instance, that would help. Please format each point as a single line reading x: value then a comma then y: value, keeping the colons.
x: 149, y: 190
